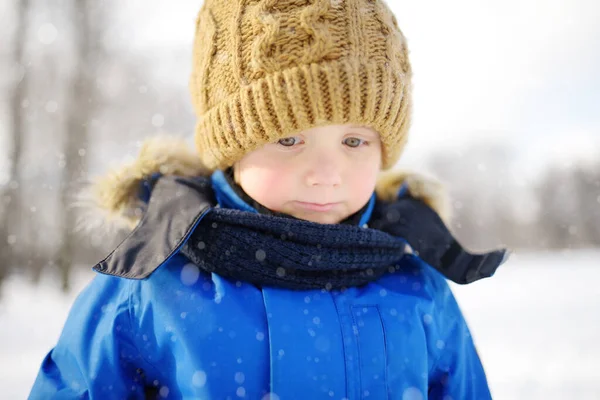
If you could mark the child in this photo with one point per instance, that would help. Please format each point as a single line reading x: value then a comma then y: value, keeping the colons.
x: 276, y: 265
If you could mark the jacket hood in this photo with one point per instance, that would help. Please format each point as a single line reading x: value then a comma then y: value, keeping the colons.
x: 112, y: 202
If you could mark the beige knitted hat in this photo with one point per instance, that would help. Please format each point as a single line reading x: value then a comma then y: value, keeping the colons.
x: 267, y: 69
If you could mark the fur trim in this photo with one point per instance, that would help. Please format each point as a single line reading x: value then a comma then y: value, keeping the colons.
x: 420, y: 186
x: 112, y: 202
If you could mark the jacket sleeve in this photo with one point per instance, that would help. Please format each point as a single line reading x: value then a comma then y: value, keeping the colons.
x: 458, y: 372
x: 95, y: 357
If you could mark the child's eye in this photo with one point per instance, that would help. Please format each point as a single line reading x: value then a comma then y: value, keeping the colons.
x: 288, y: 141
x: 353, y: 142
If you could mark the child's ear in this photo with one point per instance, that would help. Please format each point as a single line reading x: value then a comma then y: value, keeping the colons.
x: 236, y: 172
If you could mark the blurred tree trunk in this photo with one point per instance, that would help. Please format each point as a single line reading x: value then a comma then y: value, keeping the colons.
x: 9, y: 227
x: 587, y: 190
x: 79, y: 107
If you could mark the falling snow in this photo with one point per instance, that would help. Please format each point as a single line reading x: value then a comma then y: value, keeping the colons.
x: 190, y: 274
x: 199, y: 379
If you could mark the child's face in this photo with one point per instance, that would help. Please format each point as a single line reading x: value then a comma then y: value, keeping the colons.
x: 323, y: 174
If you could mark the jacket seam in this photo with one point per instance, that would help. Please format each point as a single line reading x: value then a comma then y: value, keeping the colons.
x: 383, y: 333
x: 385, y: 348
x: 434, y: 365
x: 359, y: 353
x: 130, y: 321
x: 343, y: 343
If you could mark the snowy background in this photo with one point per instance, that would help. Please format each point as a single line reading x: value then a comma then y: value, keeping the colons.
x: 536, y: 324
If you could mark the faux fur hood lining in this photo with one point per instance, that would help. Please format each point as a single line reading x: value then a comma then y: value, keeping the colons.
x: 112, y: 200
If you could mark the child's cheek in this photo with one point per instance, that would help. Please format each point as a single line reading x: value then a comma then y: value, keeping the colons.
x: 274, y: 188
x: 363, y: 183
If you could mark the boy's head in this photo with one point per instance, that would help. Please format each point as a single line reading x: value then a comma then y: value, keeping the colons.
x: 328, y: 73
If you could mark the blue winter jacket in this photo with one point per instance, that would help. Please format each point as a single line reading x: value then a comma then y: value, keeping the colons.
x: 184, y: 333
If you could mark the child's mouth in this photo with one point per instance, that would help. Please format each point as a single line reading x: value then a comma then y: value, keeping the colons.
x: 316, y: 206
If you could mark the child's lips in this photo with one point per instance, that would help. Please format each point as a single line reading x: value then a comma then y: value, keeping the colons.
x: 320, y: 207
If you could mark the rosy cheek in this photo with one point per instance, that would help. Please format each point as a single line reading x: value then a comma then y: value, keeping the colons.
x: 269, y: 189
x: 363, y: 185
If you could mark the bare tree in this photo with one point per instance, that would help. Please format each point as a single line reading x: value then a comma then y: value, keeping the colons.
x: 586, y: 182
x: 558, y: 224
x: 12, y: 196
x: 80, y: 104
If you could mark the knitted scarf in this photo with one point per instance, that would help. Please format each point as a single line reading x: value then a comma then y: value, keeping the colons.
x: 274, y: 251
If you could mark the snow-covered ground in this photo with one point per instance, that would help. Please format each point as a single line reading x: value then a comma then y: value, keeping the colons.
x: 536, y: 324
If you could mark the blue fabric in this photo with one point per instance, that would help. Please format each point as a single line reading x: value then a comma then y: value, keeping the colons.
x: 146, y: 187
x: 364, y: 219
x: 226, y: 196
x: 403, y: 191
x: 185, y: 333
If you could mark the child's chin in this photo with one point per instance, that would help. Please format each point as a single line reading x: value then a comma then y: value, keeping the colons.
x: 320, y: 218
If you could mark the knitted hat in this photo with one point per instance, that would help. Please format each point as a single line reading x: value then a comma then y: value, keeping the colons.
x: 268, y: 69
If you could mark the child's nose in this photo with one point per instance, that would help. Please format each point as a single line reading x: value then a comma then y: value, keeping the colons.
x: 324, y: 171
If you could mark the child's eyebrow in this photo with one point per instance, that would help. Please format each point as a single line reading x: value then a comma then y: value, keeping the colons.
x: 364, y: 129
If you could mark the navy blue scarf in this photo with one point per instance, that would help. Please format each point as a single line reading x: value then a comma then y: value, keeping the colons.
x: 295, y: 254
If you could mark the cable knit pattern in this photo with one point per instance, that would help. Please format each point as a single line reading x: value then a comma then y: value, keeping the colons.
x: 264, y: 70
